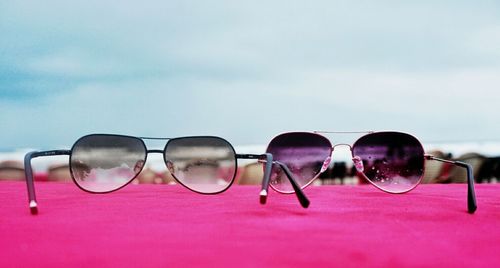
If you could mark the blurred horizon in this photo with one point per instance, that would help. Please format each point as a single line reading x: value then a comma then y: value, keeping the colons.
x: 247, y: 71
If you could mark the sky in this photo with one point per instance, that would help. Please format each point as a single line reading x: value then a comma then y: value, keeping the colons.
x: 247, y: 71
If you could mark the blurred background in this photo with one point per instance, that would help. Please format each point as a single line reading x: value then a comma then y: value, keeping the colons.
x: 248, y: 71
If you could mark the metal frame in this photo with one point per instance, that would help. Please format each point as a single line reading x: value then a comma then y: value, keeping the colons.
x: 471, y: 196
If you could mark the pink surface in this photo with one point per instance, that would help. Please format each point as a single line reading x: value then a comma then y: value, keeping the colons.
x: 159, y: 225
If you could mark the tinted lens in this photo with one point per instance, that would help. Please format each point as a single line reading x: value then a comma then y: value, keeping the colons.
x: 392, y: 161
x: 304, y: 153
x: 203, y: 164
x: 103, y: 163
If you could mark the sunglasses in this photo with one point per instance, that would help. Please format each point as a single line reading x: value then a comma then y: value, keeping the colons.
x: 393, y: 162
x: 103, y: 163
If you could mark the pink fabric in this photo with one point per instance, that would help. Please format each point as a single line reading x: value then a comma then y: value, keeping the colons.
x: 158, y: 225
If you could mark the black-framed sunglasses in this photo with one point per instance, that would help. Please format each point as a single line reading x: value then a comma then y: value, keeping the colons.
x: 104, y: 163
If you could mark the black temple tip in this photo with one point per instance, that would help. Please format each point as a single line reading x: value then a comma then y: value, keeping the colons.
x: 305, y: 203
x: 472, y: 209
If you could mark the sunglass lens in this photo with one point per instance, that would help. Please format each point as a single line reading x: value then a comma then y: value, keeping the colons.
x: 104, y: 163
x: 392, y: 161
x: 305, y: 154
x: 203, y: 164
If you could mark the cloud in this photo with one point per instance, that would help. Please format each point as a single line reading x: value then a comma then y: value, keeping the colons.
x: 435, y: 107
x: 246, y: 71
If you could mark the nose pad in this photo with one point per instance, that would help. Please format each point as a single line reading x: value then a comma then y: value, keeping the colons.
x: 170, y: 167
x: 138, y: 166
x: 358, y: 163
x: 326, y: 164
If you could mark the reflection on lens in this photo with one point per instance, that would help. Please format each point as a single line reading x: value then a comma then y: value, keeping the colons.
x: 392, y: 161
x: 203, y: 164
x: 304, y: 153
x: 103, y: 163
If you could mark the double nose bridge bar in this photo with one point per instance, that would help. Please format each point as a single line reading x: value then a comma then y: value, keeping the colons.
x: 357, y: 161
x: 341, y: 144
x: 154, y: 151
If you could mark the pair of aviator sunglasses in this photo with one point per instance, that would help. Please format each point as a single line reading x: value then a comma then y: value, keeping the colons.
x: 104, y: 163
x: 393, y: 162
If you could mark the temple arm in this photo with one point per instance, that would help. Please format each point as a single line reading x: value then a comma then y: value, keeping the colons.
x: 471, y: 195
x: 298, y: 191
x: 268, y: 159
x: 29, y: 175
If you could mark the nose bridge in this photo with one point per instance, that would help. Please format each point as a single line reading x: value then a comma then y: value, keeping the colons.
x: 155, y: 151
x: 342, y: 144
x: 356, y: 160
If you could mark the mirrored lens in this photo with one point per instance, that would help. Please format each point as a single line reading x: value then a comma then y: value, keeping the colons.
x: 304, y: 153
x: 392, y: 161
x: 104, y: 163
x: 202, y: 164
